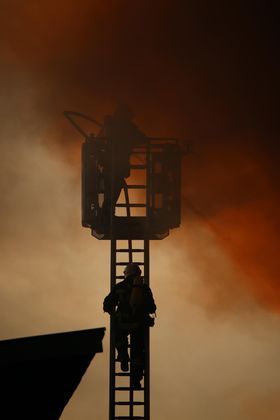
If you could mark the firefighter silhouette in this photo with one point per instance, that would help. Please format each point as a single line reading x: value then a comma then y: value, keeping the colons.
x: 121, y: 135
x: 131, y: 304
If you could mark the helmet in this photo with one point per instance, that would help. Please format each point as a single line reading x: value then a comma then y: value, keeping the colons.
x: 132, y: 269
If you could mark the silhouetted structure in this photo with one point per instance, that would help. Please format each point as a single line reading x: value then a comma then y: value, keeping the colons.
x: 39, y: 374
x: 158, y: 163
x: 148, y: 208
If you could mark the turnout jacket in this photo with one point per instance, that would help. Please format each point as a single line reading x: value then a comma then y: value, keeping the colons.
x: 127, y: 313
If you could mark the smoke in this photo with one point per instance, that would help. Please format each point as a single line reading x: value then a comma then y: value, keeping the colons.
x: 237, y: 198
x: 189, y: 69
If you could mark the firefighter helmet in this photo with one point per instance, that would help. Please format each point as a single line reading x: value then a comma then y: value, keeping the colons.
x: 132, y: 269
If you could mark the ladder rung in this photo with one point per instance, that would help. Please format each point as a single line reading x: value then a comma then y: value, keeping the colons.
x: 128, y: 250
x: 127, y: 388
x: 131, y: 205
x: 136, y: 187
x: 128, y: 417
x: 125, y: 263
x: 138, y: 166
x: 122, y: 374
x: 129, y: 403
x: 119, y: 277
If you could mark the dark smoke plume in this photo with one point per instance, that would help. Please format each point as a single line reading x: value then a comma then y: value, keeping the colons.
x: 199, y: 71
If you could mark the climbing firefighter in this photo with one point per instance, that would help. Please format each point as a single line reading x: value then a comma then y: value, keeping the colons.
x: 131, y: 304
x: 121, y: 135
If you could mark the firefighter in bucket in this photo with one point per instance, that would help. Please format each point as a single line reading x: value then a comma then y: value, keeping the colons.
x: 131, y: 303
x: 121, y: 135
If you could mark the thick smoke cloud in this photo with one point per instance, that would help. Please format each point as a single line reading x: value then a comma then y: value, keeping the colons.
x: 205, y: 73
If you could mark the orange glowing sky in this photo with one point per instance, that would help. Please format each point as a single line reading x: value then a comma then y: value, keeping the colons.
x: 203, y: 72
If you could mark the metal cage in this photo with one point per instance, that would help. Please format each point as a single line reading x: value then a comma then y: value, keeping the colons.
x: 155, y: 175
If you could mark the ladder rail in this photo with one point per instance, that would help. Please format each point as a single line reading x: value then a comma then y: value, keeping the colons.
x: 112, y: 379
x: 144, y: 391
x: 147, y: 280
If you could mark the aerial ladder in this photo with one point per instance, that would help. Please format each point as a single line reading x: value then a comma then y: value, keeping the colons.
x: 147, y: 208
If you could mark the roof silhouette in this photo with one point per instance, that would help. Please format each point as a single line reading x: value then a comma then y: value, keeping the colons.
x: 39, y: 374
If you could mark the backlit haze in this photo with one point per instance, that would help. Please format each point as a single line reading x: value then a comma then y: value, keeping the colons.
x: 199, y: 71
